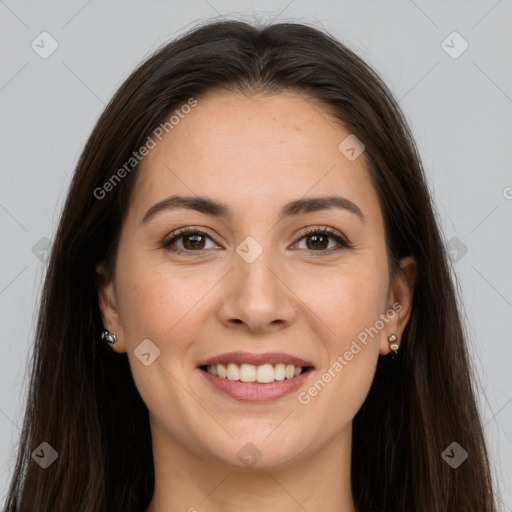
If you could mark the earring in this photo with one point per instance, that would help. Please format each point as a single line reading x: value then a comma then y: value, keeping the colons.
x: 393, y: 343
x: 108, y: 337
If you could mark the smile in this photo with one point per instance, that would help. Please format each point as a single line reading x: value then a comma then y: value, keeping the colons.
x: 264, y: 374
x: 255, y: 377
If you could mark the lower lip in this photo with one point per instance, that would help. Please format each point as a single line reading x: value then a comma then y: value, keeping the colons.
x: 256, y: 391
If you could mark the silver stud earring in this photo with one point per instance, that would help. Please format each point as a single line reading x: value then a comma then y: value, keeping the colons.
x: 393, y: 343
x: 108, y: 337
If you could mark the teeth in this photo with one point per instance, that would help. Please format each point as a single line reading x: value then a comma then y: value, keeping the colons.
x: 279, y: 371
x: 233, y: 371
x: 265, y: 373
x: 249, y: 373
x: 221, y: 370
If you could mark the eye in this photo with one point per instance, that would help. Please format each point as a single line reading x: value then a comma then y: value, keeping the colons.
x: 192, y: 240
x: 320, y: 239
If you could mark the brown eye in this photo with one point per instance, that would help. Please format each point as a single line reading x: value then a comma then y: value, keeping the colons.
x: 317, y: 240
x: 191, y: 239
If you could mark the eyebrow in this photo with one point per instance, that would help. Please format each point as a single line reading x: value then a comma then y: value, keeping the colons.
x: 215, y: 208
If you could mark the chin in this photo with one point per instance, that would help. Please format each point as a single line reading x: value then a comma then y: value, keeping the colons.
x: 258, y: 452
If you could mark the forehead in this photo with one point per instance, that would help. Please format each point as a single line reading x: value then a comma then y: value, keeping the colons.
x: 254, y: 152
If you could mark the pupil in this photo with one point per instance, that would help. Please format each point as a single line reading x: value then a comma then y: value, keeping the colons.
x: 316, y: 237
x: 195, y: 243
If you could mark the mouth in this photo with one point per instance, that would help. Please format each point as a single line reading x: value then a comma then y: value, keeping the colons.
x: 256, y: 377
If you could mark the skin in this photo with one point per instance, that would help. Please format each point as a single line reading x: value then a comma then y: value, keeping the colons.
x: 254, y: 154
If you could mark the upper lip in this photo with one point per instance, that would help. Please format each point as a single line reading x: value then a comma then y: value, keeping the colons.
x: 255, y: 359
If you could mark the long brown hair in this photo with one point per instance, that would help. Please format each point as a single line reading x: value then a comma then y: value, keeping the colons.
x: 82, y: 399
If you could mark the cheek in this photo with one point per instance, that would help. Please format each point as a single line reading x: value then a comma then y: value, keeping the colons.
x: 161, y: 306
x: 342, y: 383
x: 346, y: 300
x: 348, y: 303
x: 154, y: 299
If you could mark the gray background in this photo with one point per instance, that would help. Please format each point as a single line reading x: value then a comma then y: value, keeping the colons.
x: 459, y: 110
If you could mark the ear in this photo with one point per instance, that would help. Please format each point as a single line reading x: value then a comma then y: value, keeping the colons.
x: 107, y: 302
x: 399, y: 301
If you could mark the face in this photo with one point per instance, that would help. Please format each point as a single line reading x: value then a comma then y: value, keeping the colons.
x: 254, y: 281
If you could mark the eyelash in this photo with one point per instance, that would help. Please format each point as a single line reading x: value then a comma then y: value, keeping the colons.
x: 180, y: 233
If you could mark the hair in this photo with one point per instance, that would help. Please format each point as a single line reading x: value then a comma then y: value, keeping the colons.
x: 82, y: 399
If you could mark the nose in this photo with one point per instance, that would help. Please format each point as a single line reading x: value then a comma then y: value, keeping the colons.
x: 257, y: 297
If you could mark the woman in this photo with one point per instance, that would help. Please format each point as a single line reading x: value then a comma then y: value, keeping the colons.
x: 248, y: 303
